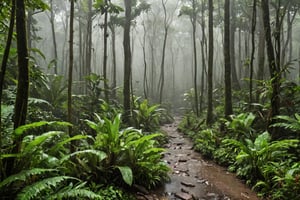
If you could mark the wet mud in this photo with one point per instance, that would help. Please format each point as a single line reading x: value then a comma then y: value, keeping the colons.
x: 193, y: 177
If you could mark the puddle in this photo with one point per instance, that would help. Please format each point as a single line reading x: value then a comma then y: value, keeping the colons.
x: 194, y: 178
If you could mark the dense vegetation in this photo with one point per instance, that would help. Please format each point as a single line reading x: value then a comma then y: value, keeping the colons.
x: 243, y: 144
x: 86, y: 85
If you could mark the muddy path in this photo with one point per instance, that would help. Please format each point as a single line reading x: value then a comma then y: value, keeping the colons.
x: 192, y: 177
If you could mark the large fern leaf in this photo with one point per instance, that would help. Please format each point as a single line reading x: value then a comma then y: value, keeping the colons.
x: 24, y: 175
x: 100, y: 154
x: 76, y: 193
x: 21, y: 129
x: 39, y: 140
x: 34, y: 190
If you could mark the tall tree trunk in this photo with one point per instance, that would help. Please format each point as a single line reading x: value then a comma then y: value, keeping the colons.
x: 89, y: 36
x: 3, y: 71
x: 209, y: 117
x: 291, y: 15
x: 114, y: 64
x: 52, y: 18
x: 235, y: 81
x: 193, y: 19
x: 127, y: 62
x: 105, y: 35
x: 145, y: 82
x: 23, y: 80
x: 162, y: 65
x: 70, y: 74
x: 228, y: 96
x: 203, y: 53
x: 261, y: 53
x: 253, y: 26
x: 274, y: 69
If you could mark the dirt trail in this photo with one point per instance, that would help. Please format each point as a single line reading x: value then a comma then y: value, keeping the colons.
x: 194, y: 178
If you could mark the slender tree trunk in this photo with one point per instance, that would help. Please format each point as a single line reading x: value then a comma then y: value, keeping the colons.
x: 162, y: 65
x: 145, y: 83
x: 3, y: 71
x: 114, y: 64
x: 261, y: 53
x: 70, y: 75
x: 240, y: 53
x: 195, y: 59
x: 235, y: 80
x: 274, y: 70
x: 105, y: 35
x: 253, y: 26
x: 203, y: 51
x: 89, y: 36
x: 52, y: 18
x: 23, y: 81
x: 291, y: 15
x: 127, y: 62
x: 209, y: 118
x: 228, y: 96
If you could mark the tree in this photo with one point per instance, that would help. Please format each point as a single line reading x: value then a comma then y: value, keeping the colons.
x: 253, y: 26
x: 3, y: 69
x: 6, y: 55
x: 71, y: 63
x: 162, y: 64
x: 105, y: 35
x: 273, y: 67
x: 21, y: 102
x: 192, y: 13
x: 52, y: 18
x: 209, y: 117
x: 127, y: 61
x: 235, y: 81
x: 228, y: 95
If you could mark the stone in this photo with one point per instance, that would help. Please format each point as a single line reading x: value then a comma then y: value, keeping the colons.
x: 184, y: 196
x: 187, y: 184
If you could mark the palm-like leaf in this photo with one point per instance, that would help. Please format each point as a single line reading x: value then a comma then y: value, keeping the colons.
x: 34, y: 190
x: 24, y: 175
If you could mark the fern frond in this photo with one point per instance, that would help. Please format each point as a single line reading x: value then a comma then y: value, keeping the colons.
x: 24, y: 175
x: 32, y: 191
x: 76, y: 193
x: 62, y: 143
x: 39, y: 140
x: 21, y: 129
x: 101, y: 155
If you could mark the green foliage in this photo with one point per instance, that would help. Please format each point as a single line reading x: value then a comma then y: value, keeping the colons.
x: 206, y: 142
x: 240, y: 126
x: 129, y: 152
x: 39, y: 183
x: 280, y: 178
x: 114, y: 193
x: 24, y: 176
x: 147, y: 117
x: 289, y: 123
x: 253, y: 156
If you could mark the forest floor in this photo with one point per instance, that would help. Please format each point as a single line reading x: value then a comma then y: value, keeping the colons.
x: 193, y: 177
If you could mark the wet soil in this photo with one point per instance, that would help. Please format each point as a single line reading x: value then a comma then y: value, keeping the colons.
x: 192, y: 177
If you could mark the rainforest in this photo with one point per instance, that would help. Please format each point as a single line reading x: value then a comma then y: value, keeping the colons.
x: 149, y: 99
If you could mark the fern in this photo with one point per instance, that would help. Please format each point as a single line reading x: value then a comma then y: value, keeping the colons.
x: 34, y: 190
x: 290, y: 123
x: 21, y: 129
x: 24, y: 175
x: 59, y: 145
x: 76, y: 193
x: 101, y: 155
x: 39, y: 140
